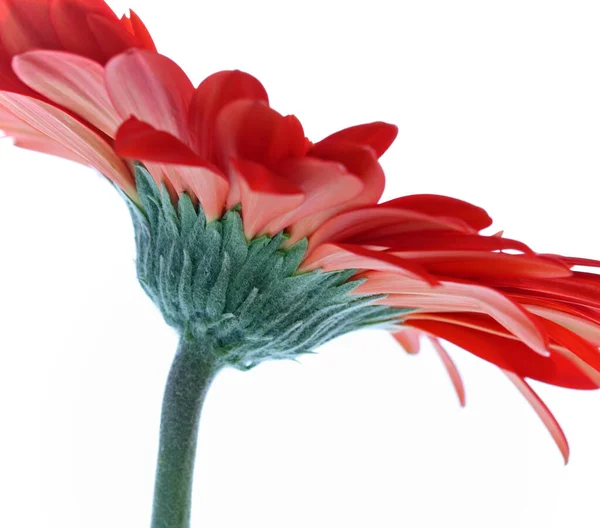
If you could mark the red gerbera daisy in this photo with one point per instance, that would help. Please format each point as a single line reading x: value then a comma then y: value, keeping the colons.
x: 256, y: 243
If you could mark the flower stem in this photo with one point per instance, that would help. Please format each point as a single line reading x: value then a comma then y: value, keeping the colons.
x: 191, y: 374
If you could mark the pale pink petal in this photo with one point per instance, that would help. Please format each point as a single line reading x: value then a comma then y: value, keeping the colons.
x: 73, y: 135
x: 543, y: 412
x: 72, y: 81
x: 458, y: 297
x: 451, y: 369
x: 151, y: 88
x: 409, y: 339
x: 332, y: 257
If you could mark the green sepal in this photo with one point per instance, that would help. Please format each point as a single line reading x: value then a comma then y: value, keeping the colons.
x: 245, y: 298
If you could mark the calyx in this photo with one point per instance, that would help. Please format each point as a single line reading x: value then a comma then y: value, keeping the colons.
x: 246, y: 299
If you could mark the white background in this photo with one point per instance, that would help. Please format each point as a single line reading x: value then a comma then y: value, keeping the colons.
x: 498, y: 103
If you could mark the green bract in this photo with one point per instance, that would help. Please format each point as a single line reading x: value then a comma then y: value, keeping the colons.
x: 245, y: 299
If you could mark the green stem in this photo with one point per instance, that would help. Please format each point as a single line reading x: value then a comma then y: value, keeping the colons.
x: 191, y: 374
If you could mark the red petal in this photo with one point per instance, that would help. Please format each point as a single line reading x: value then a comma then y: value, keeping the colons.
x: 445, y: 206
x: 378, y: 136
x: 70, y: 21
x: 25, y: 24
x: 543, y: 412
x: 451, y: 369
x: 249, y: 129
x: 510, y: 355
x: 483, y: 265
x: 212, y: 95
x: 112, y: 38
x: 448, y: 241
x: 142, y: 35
x: 138, y: 140
x: 151, y: 88
x: 74, y: 82
x: 264, y: 195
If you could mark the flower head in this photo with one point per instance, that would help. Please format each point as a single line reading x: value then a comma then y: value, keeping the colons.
x: 253, y: 236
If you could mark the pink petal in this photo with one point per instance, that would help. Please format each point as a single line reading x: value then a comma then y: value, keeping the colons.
x: 543, y: 412
x: 377, y: 136
x: 74, y: 136
x: 409, y: 339
x: 72, y: 81
x: 151, y: 88
x: 459, y: 297
x: 324, y: 183
x: 264, y: 195
x: 451, y: 369
x: 27, y: 137
x: 212, y: 95
x: 333, y: 257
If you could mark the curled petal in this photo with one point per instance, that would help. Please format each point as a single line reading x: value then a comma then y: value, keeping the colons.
x: 151, y: 88
x: 248, y: 129
x: 444, y: 206
x: 378, y: 136
x: 211, y: 96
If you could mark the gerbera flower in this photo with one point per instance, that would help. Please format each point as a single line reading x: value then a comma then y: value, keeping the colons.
x: 256, y: 243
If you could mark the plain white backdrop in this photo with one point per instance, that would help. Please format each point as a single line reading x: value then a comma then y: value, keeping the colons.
x: 498, y: 103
